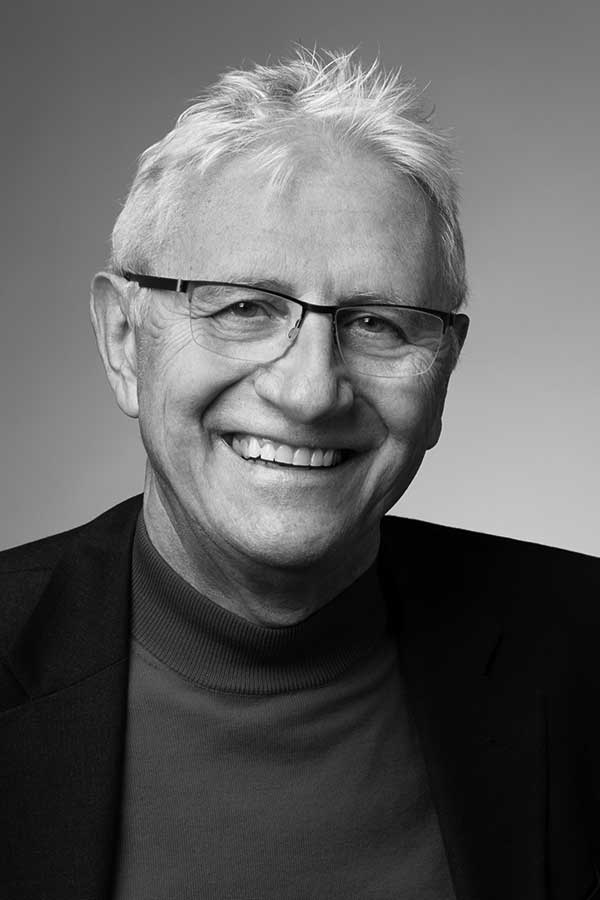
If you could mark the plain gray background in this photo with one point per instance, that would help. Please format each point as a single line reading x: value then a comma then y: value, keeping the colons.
x: 88, y: 86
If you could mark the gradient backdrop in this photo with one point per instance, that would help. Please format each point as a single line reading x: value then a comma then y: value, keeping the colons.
x: 89, y: 85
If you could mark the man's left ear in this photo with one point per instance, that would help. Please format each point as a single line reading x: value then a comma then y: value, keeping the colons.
x: 461, y: 327
x: 110, y: 310
x: 435, y: 429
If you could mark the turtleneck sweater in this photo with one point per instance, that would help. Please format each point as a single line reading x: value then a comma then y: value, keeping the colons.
x: 270, y: 763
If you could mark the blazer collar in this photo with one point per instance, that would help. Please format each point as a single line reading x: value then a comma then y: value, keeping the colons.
x: 66, y: 742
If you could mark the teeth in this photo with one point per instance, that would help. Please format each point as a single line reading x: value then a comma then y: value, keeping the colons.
x: 267, y: 452
x: 253, y: 448
x: 328, y: 458
x: 250, y: 447
x: 317, y: 458
x: 284, y: 454
x: 302, y: 457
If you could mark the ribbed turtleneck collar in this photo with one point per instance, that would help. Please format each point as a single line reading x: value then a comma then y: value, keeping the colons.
x: 217, y: 649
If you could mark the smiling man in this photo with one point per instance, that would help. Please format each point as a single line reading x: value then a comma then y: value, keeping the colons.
x: 273, y: 454
x: 252, y: 684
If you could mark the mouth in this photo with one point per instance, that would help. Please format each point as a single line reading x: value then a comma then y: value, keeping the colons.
x: 261, y: 450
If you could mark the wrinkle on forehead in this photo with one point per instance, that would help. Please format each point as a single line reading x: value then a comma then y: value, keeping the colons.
x: 324, y: 225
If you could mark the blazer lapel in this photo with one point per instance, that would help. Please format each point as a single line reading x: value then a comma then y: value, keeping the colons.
x: 504, y: 717
x: 483, y: 740
x: 65, y: 740
x: 485, y: 753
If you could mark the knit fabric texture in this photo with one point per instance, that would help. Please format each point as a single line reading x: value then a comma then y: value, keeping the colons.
x: 270, y: 764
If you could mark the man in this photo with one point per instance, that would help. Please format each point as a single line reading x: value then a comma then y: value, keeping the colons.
x: 252, y: 685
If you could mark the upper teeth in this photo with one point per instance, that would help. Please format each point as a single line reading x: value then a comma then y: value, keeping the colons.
x: 251, y: 447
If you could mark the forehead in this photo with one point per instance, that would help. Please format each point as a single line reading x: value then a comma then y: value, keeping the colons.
x: 355, y: 225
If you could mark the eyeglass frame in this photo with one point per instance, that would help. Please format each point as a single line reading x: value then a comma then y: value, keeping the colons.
x: 181, y: 285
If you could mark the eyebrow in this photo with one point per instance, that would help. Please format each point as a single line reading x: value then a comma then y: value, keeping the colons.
x: 263, y: 284
x: 389, y: 296
x: 285, y: 287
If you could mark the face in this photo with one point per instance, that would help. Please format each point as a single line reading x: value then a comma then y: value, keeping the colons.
x: 330, y: 235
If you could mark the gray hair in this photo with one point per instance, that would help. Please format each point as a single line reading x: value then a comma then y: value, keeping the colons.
x: 263, y: 112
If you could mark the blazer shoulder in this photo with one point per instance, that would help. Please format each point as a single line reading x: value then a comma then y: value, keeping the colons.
x: 526, y: 575
x: 24, y: 573
x: 45, y: 552
x: 464, y: 541
x: 34, y: 555
x: 26, y: 570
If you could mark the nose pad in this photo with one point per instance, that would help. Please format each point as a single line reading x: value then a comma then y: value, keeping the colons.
x: 308, y: 334
x: 295, y: 331
x: 308, y: 380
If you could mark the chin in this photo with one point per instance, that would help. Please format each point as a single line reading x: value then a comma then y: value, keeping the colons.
x: 289, y: 545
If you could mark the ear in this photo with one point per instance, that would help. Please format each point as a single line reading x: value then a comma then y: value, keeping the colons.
x: 461, y: 328
x: 110, y: 309
x: 435, y: 429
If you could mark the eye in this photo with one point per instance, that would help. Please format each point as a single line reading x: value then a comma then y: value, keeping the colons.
x: 369, y: 324
x: 244, y: 309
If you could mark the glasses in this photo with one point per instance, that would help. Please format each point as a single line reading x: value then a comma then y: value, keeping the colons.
x: 247, y: 323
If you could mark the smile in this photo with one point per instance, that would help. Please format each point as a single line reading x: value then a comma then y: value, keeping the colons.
x: 252, y: 447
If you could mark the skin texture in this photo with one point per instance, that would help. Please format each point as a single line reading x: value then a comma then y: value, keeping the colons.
x: 273, y: 544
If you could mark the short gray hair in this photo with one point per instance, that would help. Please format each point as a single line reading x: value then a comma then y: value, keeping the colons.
x: 263, y: 112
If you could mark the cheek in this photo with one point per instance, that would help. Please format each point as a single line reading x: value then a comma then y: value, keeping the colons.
x: 409, y: 410
x: 181, y: 381
x: 159, y: 348
x: 411, y: 415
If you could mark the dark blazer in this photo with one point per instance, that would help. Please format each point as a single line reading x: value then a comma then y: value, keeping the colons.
x: 499, y: 642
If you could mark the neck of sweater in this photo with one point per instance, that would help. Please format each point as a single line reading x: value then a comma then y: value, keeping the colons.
x: 217, y: 649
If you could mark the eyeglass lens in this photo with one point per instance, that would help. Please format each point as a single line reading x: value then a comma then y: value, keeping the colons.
x: 254, y: 325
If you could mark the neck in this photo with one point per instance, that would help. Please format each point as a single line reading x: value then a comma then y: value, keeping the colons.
x: 266, y: 595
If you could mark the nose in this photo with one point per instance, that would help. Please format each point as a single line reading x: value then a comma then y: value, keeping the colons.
x: 308, y: 382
